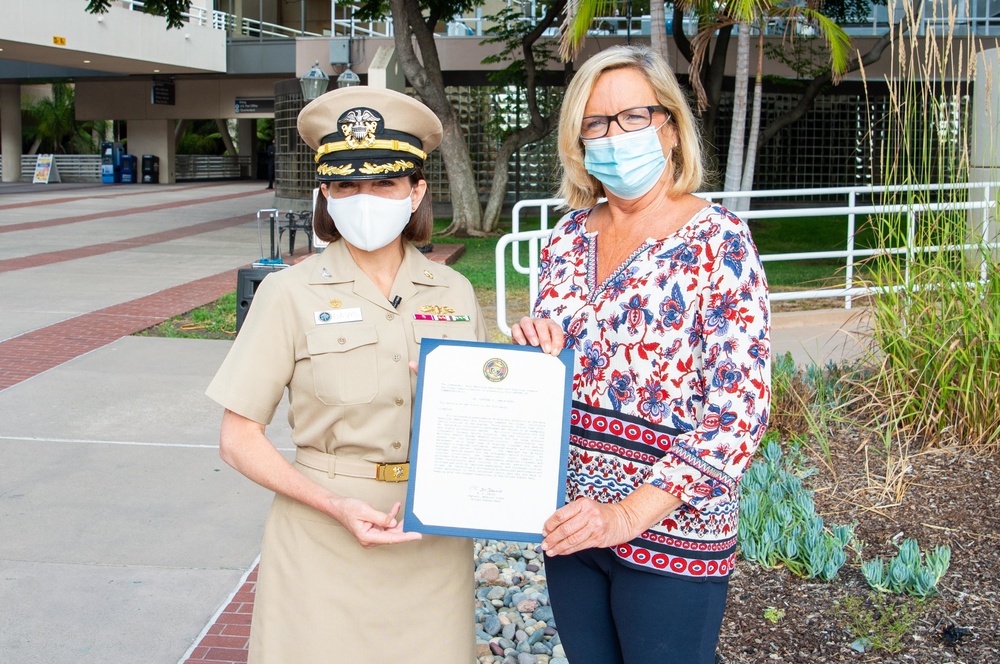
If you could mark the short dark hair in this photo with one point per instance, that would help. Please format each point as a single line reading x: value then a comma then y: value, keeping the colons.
x: 418, y: 230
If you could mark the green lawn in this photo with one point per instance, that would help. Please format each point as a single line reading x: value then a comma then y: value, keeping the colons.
x: 478, y: 264
x: 772, y: 236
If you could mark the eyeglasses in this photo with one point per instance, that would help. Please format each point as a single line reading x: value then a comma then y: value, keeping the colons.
x: 631, y: 119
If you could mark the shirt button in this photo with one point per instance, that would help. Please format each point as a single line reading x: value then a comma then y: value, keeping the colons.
x: 399, y: 402
x: 341, y: 341
x: 396, y: 445
x: 389, y: 316
x: 397, y: 357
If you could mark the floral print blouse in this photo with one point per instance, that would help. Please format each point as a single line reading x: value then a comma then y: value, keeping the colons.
x: 671, y: 383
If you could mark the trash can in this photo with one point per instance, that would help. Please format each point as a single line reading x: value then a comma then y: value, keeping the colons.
x: 150, y: 169
x: 247, y: 281
x: 130, y: 170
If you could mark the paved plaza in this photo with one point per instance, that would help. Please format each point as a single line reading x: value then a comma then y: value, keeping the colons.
x: 123, y: 537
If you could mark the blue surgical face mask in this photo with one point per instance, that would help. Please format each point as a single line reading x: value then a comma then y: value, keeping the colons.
x: 629, y: 164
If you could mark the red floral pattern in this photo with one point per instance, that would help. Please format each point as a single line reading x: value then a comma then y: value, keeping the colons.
x: 672, y: 381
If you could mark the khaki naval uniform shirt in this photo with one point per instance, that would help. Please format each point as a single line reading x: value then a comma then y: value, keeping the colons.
x: 325, y: 332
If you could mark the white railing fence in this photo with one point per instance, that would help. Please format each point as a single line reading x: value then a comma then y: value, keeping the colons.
x: 982, y: 196
x: 983, y: 19
x: 71, y: 167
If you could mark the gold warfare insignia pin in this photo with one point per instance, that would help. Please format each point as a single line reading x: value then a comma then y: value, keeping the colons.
x: 335, y: 304
x: 436, y: 309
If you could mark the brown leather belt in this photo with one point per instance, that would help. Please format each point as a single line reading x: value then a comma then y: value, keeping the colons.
x: 333, y: 466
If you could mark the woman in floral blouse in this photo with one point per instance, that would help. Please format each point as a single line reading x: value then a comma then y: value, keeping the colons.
x: 662, y: 296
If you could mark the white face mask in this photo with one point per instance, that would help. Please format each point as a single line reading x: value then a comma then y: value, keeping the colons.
x: 369, y: 222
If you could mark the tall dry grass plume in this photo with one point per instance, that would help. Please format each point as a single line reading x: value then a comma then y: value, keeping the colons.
x: 936, y: 319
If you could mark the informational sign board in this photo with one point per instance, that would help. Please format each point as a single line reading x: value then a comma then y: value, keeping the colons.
x: 46, y: 170
x: 255, y: 104
x: 163, y: 93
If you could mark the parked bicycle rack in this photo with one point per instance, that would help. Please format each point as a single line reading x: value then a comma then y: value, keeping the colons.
x: 297, y: 221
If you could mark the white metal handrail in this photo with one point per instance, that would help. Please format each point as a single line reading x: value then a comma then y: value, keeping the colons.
x: 534, y: 239
x: 978, y: 23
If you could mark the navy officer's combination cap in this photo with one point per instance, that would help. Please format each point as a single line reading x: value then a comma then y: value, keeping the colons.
x: 363, y: 133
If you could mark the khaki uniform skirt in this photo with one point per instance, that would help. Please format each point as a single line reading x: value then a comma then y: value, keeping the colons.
x: 321, y: 597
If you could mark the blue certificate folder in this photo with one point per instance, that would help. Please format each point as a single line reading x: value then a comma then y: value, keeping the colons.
x: 489, y: 462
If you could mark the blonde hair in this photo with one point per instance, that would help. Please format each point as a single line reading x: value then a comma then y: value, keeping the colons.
x: 579, y: 188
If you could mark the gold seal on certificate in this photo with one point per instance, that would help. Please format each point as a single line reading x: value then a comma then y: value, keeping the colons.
x: 490, y: 439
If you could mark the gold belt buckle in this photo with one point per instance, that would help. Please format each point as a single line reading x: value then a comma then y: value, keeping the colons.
x: 392, y: 472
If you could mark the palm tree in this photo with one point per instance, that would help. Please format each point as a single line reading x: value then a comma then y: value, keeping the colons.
x: 51, y: 120
x: 581, y: 13
x: 748, y: 15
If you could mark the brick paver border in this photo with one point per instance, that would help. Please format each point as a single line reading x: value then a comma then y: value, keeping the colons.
x: 39, y: 350
x: 226, y: 640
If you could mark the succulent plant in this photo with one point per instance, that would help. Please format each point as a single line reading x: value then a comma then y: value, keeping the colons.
x: 778, y: 520
x: 909, y: 571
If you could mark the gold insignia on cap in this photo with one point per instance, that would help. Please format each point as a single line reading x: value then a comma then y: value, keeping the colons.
x: 395, y: 167
x: 380, y: 144
x: 436, y: 309
x: 335, y: 304
x: 327, y: 169
x: 359, y: 128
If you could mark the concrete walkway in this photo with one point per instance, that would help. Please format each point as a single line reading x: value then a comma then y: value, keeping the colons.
x: 123, y: 537
x: 121, y: 532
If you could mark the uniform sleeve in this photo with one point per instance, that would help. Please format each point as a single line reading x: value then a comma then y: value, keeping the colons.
x: 252, y: 378
x: 705, y: 461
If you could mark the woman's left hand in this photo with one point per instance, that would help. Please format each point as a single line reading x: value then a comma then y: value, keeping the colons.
x: 587, y: 524
x: 542, y: 332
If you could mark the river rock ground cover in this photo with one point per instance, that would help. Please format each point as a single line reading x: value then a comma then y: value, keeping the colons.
x: 774, y: 616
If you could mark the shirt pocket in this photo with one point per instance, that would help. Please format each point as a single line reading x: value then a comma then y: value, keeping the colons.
x: 344, y: 363
x: 459, y: 330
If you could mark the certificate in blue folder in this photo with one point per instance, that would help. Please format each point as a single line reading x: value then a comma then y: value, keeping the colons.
x: 490, y: 440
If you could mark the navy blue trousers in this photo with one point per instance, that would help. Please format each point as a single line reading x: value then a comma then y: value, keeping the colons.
x: 609, y: 613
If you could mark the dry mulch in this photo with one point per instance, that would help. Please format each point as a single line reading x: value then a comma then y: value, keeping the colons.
x: 951, y: 498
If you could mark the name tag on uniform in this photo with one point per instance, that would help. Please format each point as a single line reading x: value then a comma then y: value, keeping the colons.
x: 337, y: 316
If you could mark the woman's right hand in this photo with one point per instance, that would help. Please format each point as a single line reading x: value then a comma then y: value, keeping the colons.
x: 542, y: 332
x: 368, y: 525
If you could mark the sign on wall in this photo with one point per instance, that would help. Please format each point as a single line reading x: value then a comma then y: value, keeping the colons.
x: 163, y: 93
x: 255, y: 104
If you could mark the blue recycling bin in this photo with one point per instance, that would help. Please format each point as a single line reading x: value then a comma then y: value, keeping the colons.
x: 111, y: 162
x: 130, y: 169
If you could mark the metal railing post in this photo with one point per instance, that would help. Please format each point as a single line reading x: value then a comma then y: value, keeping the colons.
x: 849, y: 272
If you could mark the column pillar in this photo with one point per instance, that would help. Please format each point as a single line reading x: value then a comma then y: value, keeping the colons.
x: 246, y: 136
x: 984, y: 165
x: 155, y: 137
x: 10, y: 131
